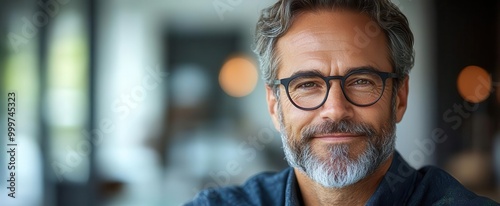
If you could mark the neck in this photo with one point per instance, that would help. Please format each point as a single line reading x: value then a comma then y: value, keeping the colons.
x: 355, y: 194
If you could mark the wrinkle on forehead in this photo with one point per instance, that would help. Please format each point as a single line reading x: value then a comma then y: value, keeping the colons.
x: 330, y: 40
x: 309, y: 38
x: 306, y: 41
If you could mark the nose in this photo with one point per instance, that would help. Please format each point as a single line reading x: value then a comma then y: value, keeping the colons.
x: 336, y: 106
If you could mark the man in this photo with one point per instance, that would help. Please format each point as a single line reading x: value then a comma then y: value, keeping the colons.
x: 336, y: 96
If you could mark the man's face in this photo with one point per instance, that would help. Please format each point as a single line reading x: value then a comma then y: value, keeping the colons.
x: 339, y: 140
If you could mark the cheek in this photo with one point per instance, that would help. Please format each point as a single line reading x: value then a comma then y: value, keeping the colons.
x: 381, y: 112
x: 294, y: 119
x: 386, y: 99
x: 378, y: 114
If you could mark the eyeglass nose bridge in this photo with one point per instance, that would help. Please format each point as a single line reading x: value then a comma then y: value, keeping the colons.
x: 329, y: 86
x: 330, y: 78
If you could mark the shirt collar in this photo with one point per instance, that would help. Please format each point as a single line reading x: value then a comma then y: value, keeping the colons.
x: 397, y: 184
x: 292, y: 190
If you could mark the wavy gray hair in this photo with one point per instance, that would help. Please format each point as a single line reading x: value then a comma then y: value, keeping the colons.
x: 275, y: 21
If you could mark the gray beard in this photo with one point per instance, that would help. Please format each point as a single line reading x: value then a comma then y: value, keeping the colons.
x: 339, y: 170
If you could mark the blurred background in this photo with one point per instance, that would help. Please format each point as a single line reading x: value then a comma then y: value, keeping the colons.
x: 125, y: 102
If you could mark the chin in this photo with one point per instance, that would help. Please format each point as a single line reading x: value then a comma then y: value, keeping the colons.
x: 352, y: 150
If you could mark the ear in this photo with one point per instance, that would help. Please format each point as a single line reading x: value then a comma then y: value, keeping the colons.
x: 272, y: 106
x: 402, y: 99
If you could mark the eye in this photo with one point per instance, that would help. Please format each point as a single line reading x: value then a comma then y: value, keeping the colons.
x: 362, y: 82
x: 363, y: 79
x: 306, y: 85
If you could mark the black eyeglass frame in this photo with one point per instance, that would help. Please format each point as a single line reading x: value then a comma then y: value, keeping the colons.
x: 383, y: 75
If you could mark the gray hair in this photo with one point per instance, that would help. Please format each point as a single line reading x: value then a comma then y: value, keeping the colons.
x: 275, y: 21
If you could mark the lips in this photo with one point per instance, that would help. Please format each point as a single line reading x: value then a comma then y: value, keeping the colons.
x: 338, y: 137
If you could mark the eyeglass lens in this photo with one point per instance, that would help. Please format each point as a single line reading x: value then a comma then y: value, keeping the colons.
x: 362, y: 88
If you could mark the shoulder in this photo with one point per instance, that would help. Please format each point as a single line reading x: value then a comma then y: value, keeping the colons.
x: 437, y: 187
x: 266, y: 188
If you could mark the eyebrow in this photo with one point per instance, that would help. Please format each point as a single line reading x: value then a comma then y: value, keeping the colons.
x: 313, y: 72
x: 316, y: 72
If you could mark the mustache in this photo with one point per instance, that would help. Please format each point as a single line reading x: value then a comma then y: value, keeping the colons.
x: 342, y: 126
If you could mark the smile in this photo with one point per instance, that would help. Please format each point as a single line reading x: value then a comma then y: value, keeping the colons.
x: 337, y: 137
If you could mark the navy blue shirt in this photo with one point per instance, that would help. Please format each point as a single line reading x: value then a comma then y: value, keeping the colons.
x: 402, y: 185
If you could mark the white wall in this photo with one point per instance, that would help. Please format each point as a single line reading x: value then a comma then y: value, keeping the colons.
x: 415, y: 130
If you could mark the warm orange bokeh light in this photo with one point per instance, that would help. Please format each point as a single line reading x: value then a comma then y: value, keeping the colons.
x: 238, y: 76
x: 474, y: 84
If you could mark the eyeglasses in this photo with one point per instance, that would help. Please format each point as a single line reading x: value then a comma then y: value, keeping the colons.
x: 309, y: 91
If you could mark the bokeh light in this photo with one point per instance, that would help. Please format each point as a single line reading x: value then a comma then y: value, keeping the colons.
x: 474, y: 84
x: 238, y: 76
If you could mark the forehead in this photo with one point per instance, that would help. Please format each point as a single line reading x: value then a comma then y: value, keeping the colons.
x: 333, y: 41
